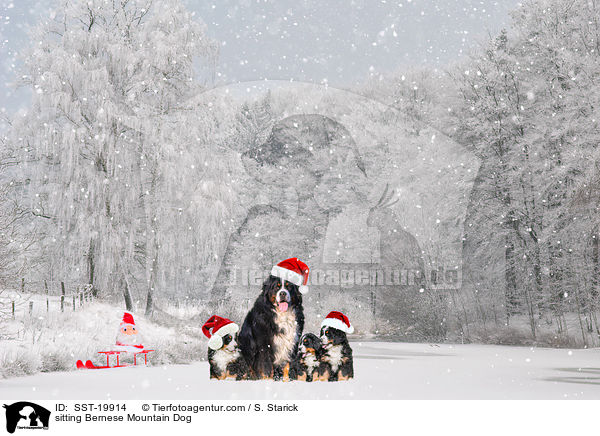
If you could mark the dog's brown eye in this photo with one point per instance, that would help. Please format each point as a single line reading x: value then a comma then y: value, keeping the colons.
x: 326, y: 332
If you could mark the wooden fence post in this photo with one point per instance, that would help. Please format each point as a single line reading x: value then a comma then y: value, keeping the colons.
x: 80, y: 299
x: 13, y: 309
x: 73, y: 302
x: 47, y: 299
x: 373, y: 302
x: 62, y: 297
x: 30, y: 308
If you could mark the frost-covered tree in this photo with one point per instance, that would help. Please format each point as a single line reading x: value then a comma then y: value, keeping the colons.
x: 422, y: 95
x: 16, y: 239
x: 12, y: 241
x: 530, y: 113
x: 110, y: 81
x: 253, y: 123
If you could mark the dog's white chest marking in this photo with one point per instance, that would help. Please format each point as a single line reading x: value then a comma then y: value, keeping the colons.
x: 311, y: 361
x: 223, y: 357
x: 334, y: 357
x: 283, y: 341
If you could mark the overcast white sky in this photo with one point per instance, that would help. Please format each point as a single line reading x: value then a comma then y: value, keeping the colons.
x: 339, y: 41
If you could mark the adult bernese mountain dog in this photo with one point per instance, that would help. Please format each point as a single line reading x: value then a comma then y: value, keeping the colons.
x: 336, y: 361
x: 271, y: 331
x: 308, y: 359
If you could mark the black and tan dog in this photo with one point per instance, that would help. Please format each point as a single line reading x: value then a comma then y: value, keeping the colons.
x: 224, y: 356
x: 307, y: 362
x: 336, y: 360
x: 271, y: 331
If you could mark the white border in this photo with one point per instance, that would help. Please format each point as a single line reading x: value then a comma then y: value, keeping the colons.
x: 423, y: 418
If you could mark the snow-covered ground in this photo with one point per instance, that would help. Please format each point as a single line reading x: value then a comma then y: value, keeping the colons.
x: 382, y: 370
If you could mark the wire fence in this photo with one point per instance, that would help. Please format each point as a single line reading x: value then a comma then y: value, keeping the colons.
x: 35, y: 299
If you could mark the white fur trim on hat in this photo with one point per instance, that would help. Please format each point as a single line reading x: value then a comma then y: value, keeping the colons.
x: 216, y: 340
x: 303, y: 289
x: 286, y: 274
x: 337, y: 324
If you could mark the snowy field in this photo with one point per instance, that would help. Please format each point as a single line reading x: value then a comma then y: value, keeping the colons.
x: 383, y: 371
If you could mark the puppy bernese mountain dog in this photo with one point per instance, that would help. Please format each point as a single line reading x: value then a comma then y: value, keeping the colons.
x: 271, y: 331
x: 308, y: 359
x: 336, y: 361
x: 227, y: 362
x: 224, y: 356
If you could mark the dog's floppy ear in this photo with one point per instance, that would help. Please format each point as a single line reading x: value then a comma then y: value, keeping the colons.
x: 265, y: 290
x: 295, y: 293
x: 268, y: 285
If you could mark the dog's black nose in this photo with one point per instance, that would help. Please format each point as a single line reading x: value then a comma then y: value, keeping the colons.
x: 283, y: 295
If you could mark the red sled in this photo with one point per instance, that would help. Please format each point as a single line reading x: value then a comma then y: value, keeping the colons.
x: 90, y: 365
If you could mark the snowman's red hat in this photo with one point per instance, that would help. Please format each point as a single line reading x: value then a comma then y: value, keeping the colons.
x: 294, y: 271
x: 127, y: 318
x: 338, y: 320
x: 215, y: 328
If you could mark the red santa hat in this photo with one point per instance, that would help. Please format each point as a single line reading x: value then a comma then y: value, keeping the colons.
x: 338, y: 320
x: 127, y: 319
x: 215, y: 328
x: 294, y: 271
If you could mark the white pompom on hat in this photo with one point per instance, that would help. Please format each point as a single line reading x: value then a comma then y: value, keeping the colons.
x: 215, y: 328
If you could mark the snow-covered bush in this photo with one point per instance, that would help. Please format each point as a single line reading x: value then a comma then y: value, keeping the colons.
x: 17, y: 361
x: 184, y: 350
x: 56, y: 358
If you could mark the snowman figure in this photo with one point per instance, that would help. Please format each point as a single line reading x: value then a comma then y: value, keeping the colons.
x: 128, y: 338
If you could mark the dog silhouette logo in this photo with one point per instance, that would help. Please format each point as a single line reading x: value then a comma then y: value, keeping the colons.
x: 26, y: 415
